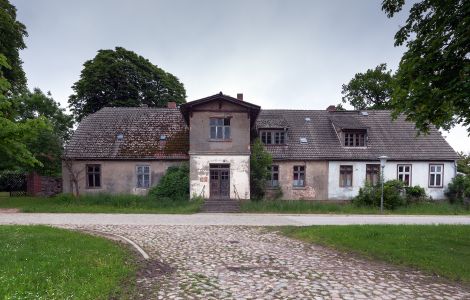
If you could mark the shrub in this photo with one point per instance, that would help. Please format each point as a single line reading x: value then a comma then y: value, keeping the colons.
x: 415, y: 194
x: 260, y: 161
x: 458, y: 189
x: 173, y: 185
x: 370, y: 195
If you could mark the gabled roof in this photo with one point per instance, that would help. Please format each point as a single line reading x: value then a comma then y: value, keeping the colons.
x: 396, y: 139
x: 251, y: 108
x: 142, y: 129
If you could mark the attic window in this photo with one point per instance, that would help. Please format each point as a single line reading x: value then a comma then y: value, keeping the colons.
x: 307, y: 119
x: 120, y: 137
x: 355, y: 138
x: 303, y: 140
x: 162, y: 137
x: 273, y: 137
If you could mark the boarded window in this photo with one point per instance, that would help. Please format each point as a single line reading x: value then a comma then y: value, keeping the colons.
x: 143, y: 176
x: 299, y: 176
x: 436, y: 173
x: 273, y: 137
x: 404, y: 174
x: 219, y: 128
x: 273, y: 180
x: 345, y: 176
x: 93, y: 176
x: 373, y: 173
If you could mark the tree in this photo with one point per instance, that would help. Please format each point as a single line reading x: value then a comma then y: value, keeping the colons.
x: 463, y: 164
x: 12, y: 34
x: 122, y: 78
x: 260, y: 161
x: 369, y: 90
x: 432, y: 81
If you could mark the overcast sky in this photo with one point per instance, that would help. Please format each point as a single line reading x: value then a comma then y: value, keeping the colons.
x: 280, y: 54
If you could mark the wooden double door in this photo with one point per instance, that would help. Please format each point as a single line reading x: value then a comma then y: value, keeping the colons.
x: 219, y: 181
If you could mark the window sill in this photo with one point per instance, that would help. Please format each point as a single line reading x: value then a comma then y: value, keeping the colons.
x: 353, y: 147
x: 93, y: 188
x: 298, y: 187
x: 221, y: 140
x: 435, y: 187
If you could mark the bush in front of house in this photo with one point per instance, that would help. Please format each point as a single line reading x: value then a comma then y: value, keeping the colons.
x: 458, y: 190
x: 395, y: 195
x: 260, y: 161
x: 174, y: 185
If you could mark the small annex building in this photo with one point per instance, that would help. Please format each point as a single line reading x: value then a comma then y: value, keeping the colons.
x: 317, y: 154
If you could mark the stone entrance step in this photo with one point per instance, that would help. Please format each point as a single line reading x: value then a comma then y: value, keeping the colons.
x: 221, y: 206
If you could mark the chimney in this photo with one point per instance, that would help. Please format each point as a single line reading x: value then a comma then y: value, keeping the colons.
x: 240, y: 96
x: 171, y: 105
x: 331, y: 108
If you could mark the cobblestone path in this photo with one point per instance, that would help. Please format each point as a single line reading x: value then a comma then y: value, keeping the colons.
x: 233, y: 262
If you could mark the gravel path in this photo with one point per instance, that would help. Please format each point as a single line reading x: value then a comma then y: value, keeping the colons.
x: 235, y: 262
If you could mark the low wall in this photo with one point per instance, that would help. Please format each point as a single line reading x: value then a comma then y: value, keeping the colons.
x: 43, y: 186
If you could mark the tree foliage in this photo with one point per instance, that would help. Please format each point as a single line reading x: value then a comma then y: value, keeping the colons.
x: 12, y: 34
x: 432, y: 82
x: 260, y: 161
x: 122, y: 78
x: 173, y: 185
x: 369, y: 90
x: 463, y: 164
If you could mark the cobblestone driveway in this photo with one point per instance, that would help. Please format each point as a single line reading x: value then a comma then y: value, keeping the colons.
x: 232, y: 262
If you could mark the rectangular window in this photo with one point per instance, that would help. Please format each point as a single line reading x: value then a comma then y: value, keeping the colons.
x: 273, y: 180
x: 93, y: 176
x: 143, y: 176
x: 299, y: 176
x: 355, y: 139
x: 404, y: 174
x: 273, y: 137
x: 373, y: 174
x: 436, y: 174
x: 219, y: 128
x: 345, y: 176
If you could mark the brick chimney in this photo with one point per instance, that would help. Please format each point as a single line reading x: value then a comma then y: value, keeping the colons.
x: 240, y: 96
x: 171, y: 105
x: 331, y: 108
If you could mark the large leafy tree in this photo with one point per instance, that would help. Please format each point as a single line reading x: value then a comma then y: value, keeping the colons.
x: 369, y: 90
x: 12, y: 34
x: 122, y: 78
x: 463, y: 164
x: 432, y: 81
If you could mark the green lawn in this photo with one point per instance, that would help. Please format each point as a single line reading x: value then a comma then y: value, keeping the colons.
x: 443, y: 249
x: 313, y: 207
x: 101, y: 203
x: 39, y: 262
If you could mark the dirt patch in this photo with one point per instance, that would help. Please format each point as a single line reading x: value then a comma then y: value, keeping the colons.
x: 9, y: 210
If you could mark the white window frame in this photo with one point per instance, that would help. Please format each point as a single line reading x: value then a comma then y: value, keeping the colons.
x: 433, y: 179
x: 143, y: 171
x: 403, y: 173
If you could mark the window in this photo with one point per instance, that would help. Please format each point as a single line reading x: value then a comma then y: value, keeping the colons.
x: 436, y: 175
x: 143, y: 176
x: 355, y: 139
x: 275, y: 137
x: 219, y: 128
x: 404, y: 174
x: 93, y: 176
x: 273, y: 180
x: 373, y: 174
x: 299, y: 176
x: 345, y: 176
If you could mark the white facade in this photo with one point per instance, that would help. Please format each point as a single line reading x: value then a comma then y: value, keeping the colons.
x: 419, y: 176
x: 239, y: 174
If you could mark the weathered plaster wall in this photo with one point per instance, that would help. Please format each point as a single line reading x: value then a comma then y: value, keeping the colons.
x: 117, y: 177
x: 316, y: 180
x: 239, y: 174
x: 419, y: 176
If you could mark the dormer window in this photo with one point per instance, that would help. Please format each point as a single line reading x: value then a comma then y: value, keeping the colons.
x: 219, y: 128
x: 356, y: 138
x: 273, y: 137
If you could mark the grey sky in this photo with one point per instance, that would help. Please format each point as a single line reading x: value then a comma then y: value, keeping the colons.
x: 280, y: 54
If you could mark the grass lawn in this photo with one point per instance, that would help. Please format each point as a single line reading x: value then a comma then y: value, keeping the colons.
x: 442, y: 249
x: 313, y: 207
x: 39, y: 262
x: 100, y: 203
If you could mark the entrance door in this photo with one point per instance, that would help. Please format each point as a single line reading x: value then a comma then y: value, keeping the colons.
x: 220, y: 181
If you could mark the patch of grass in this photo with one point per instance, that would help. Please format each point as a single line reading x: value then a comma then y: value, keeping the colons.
x: 40, y: 262
x: 100, y: 203
x: 442, y: 249
x: 315, y: 207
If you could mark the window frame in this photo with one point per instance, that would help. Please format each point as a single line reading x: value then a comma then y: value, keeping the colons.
x: 143, y: 173
x: 273, y: 172
x: 404, y: 173
x: 94, y: 173
x: 368, y: 166
x: 220, y: 127
x: 341, y: 174
x: 353, y: 137
x: 272, y: 135
x: 300, y: 171
x: 435, y: 173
